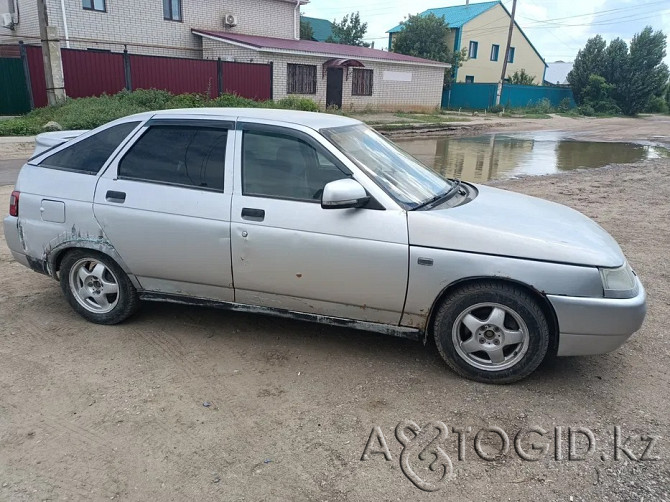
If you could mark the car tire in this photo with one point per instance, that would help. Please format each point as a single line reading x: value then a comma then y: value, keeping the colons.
x: 491, y: 332
x: 97, y: 288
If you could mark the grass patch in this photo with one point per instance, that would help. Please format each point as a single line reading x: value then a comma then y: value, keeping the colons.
x: 392, y: 126
x: 88, y: 113
x: 425, y: 118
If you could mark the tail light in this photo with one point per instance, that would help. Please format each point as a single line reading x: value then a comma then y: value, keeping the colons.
x: 14, y: 203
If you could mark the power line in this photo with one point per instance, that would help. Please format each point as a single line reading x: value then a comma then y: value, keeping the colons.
x: 603, y: 23
x: 596, y: 13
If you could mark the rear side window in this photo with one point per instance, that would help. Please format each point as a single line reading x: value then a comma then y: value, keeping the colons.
x: 178, y: 155
x: 90, y: 154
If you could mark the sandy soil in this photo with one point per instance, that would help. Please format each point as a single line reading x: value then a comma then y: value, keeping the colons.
x: 92, y: 412
x: 16, y: 148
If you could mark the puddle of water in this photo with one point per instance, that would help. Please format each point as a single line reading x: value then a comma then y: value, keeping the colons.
x: 495, y: 156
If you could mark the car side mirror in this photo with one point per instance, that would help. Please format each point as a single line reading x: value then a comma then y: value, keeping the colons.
x: 343, y: 194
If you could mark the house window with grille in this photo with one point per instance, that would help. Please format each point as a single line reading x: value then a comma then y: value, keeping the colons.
x: 361, y: 82
x: 301, y: 79
x: 172, y: 10
x: 98, y: 5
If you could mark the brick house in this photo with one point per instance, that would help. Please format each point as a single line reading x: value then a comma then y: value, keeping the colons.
x: 259, y: 31
x: 482, y: 29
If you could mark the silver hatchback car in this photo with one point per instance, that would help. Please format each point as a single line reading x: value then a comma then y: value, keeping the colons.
x: 317, y: 217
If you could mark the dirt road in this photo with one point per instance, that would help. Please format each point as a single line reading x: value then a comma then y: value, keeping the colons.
x: 13, y: 153
x: 185, y: 403
x: 652, y: 129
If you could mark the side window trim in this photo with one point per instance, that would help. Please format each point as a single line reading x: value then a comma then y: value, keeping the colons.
x: 191, y: 122
x: 167, y: 183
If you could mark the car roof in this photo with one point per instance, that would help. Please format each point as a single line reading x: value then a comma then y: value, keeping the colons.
x: 309, y: 119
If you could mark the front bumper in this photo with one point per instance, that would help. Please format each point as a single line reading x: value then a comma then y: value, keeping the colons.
x: 597, y: 325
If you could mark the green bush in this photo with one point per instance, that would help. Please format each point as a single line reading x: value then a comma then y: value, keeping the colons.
x: 496, y: 109
x: 234, y: 101
x: 565, y: 105
x: 598, y: 96
x: 657, y: 105
x: 149, y: 99
x: 542, y: 106
x: 88, y: 113
x: 16, y: 127
x: 587, y: 110
x: 188, y: 101
x: 297, y: 103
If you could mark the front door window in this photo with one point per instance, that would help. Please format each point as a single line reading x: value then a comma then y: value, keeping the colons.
x: 282, y: 166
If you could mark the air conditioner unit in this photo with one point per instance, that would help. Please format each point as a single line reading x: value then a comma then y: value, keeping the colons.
x: 230, y: 20
x: 7, y: 21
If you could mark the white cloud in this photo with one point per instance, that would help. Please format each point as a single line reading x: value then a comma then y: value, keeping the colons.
x: 574, y: 22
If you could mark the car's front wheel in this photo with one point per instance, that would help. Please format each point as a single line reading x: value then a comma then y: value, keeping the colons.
x: 492, y: 332
x: 97, y: 288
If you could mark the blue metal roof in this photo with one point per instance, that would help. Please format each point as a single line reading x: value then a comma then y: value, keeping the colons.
x: 457, y: 15
x: 322, y: 28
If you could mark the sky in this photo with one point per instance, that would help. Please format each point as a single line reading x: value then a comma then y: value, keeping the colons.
x: 557, y: 28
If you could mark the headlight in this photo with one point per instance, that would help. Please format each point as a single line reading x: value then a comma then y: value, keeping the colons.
x: 619, y: 282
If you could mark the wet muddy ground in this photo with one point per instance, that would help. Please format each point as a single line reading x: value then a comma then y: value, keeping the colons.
x: 507, y: 155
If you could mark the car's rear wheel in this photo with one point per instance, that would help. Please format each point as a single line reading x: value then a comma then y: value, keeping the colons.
x: 97, y: 288
x: 492, y: 332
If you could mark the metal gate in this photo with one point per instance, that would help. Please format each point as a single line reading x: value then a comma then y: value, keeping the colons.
x: 13, y: 89
x: 92, y: 73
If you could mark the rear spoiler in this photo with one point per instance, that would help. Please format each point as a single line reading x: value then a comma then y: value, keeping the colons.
x: 48, y: 140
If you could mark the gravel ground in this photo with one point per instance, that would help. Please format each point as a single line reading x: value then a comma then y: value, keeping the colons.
x: 182, y: 403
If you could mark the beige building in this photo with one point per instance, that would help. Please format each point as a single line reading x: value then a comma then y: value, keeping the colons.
x: 482, y: 29
x: 259, y: 31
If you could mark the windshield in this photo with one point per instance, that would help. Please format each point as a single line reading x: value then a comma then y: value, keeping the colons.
x: 399, y: 174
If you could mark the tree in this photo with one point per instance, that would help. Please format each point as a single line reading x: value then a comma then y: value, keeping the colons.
x: 349, y: 31
x: 636, y: 76
x: 520, y: 77
x: 615, y: 64
x: 306, y: 31
x: 589, y: 61
x: 426, y: 37
x: 646, y: 72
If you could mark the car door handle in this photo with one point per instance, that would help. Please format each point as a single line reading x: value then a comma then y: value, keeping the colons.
x: 249, y: 213
x: 118, y: 197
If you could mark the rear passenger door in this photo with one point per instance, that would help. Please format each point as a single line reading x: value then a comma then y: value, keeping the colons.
x: 164, y: 204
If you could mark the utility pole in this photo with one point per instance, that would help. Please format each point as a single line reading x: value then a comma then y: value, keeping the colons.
x: 506, y: 56
x: 53, y: 63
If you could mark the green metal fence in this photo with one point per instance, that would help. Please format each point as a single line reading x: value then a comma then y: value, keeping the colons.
x: 481, y: 96
x: 14, y: 98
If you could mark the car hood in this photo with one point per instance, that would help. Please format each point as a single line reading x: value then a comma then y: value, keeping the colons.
x: 499, y: 222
